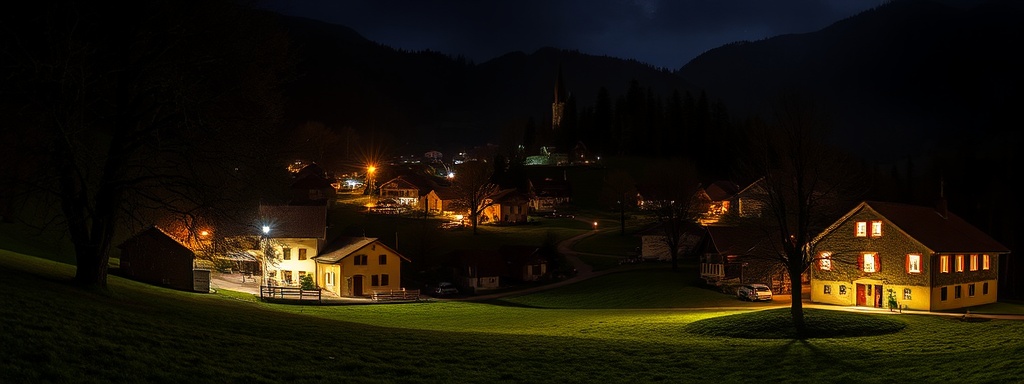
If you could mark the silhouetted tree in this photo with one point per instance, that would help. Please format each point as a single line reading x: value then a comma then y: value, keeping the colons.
x: 672, y: 187
x: 141, y: 107
x: 475, y: 187
x: 807, y: 185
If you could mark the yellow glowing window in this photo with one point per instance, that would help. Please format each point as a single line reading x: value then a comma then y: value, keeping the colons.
x: 985, y: 262
x: 869, y: 262
x: 974, y: 263
x: 959, y: 263
x: 913, y: 263
x: 825, y: 263
x: 862, y: 229
x: 876, y: 229
x: 944, y: 263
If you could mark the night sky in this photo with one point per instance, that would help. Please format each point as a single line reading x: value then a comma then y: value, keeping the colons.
x: 665, y: 34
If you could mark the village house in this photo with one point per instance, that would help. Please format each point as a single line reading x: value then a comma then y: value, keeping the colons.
x: 292, y: 235
x: 897, y: 255
x: 359, y: 266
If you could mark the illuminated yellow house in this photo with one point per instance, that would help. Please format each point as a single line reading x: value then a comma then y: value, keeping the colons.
x: 881, y: 254
x: 358, y: 266
x: 292, y: 235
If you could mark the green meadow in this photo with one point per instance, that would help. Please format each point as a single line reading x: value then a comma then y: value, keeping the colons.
x: 640, y: 325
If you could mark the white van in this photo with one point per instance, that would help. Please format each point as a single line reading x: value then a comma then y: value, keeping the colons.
x: 754, y: 292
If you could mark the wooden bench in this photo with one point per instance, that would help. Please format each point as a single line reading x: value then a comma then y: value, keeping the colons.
x: 396, y: 295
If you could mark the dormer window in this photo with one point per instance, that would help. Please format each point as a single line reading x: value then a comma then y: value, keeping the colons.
x: 876, y: 229
x: 862, y: 229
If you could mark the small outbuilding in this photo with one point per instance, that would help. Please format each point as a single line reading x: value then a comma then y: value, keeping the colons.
x: 155, y: 257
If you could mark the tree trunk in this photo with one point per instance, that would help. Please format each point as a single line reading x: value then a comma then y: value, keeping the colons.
x: 797, y: 308
x: 91, y: 271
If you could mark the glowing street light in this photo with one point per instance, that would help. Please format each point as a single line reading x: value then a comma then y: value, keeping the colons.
x: 595, y: 225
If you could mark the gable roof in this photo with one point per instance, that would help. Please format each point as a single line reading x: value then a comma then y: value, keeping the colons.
x: 156, y: 233
x: 295, y: 221
x: 742, y: 241
x: 343, y: 247
x: 722, y: 190
x: 940, y: 233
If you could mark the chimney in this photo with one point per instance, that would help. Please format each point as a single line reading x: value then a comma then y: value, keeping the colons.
x: 941, y: 207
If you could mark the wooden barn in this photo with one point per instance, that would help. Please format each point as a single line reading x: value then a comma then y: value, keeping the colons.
x: 152, y: 256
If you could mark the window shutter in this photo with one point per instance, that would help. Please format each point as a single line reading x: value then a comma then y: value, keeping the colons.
x: 906, y: 263
x: 878, y: 263
x: 860, y: 262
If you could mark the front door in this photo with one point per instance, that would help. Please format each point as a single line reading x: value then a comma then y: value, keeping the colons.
x: 357, y: 285
x: 862, y: 296
x: 878, y: 296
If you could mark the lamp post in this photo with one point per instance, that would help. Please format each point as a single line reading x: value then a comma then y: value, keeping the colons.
x: 264, y: 245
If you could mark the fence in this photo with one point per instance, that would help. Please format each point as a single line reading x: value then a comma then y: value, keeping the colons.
x: 396, y: 295
x: 293, y: 293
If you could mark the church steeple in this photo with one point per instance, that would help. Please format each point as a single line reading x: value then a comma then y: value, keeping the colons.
x: 558, y: 106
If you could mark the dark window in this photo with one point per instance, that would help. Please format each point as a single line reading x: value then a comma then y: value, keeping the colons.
x: 383, y: 259
x: 287, y: 252
x: 360, y: 260
x: 302, y: 253
x: 374, y: 280
x: 828, y: 289
x: 970, y: 290
x: 384, y: 280
x: 942, y: 294
x: 984, y: 288
x: 958, y: 291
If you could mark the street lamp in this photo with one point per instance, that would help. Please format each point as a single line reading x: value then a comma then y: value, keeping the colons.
x: 370, y: 170
x: 595, y: 225
x: 264, y: 245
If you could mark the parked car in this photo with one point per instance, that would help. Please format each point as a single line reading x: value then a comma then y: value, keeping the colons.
x: 754, y: 292
x: 445, y: 288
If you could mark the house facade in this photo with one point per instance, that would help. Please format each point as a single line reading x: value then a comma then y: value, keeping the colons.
x: 358, y: 266
x: 508, y: 206
x: 292, y: 236
x: 403, y: 191
x: 881, y: 254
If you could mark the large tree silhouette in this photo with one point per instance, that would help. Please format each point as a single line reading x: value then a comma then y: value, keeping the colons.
x: 140, y: 108
x: 806, y: 184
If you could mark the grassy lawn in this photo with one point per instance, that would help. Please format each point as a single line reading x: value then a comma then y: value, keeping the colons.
x: 600, y: 330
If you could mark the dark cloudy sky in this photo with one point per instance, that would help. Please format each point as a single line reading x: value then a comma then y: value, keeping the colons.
x: 665, y: 33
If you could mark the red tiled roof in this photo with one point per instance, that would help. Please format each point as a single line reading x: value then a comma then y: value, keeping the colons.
x: 941, y: 233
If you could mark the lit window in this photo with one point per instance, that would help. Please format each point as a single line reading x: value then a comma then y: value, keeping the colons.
x: 876, y: 229
x: 944, y: 263
x: 958, y: 291
x: 913, y: 263
x: 959, y: 263
x: 862, y: 229
x: 382, y: 260
x: 970, y: 290
x: 869, y: 262
x: 825, y: 263
x: 974, y: 263
x: 906, y: 293
x: 985, y: 262
x: 828, y: 289
x: 287, y: 275
x: 329, y: 278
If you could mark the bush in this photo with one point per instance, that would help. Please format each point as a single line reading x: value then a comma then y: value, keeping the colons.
x: 306, y: 281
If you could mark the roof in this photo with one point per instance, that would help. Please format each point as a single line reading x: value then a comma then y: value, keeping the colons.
x: 927, y: 225
x: 447, y: 193
x: 153, y: 232
x: 343, y: 247
x: 722, y: 190
x: 295, y: 221
x: 311, y: 181
x: 731, y: 240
